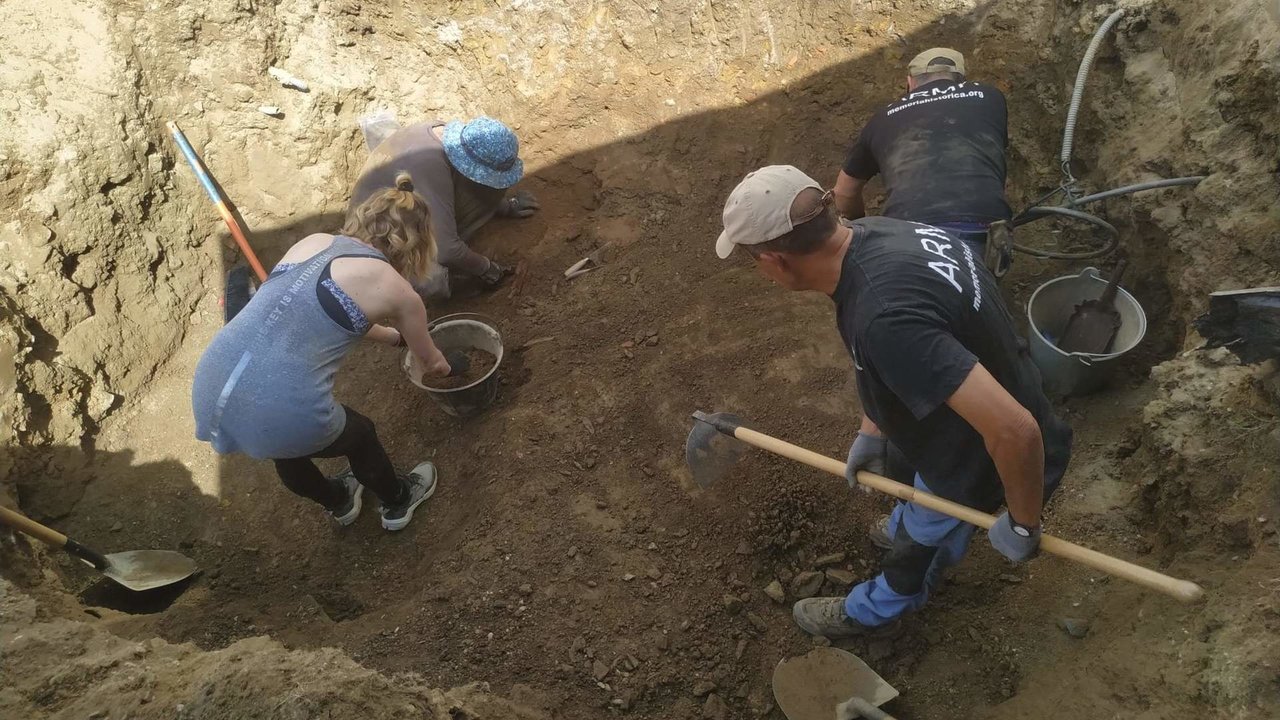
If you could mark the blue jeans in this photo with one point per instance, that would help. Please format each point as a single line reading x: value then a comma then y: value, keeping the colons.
x: 925, y: 543
x: 972, y: 234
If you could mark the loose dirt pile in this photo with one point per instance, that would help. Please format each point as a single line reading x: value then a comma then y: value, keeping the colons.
x: 66, y: 669
x: 566, y: 558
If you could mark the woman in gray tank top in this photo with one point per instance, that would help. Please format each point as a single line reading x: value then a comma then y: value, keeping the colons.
x: 264, y: 386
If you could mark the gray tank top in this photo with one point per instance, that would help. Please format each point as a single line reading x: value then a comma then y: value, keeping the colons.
x: 264, y: 386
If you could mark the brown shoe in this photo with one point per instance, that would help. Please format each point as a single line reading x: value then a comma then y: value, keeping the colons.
x: 826, y: 617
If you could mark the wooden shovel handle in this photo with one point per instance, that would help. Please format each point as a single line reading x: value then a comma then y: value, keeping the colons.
x: 46, y: 535
x: 52, y: 538
x: 1183, y: 590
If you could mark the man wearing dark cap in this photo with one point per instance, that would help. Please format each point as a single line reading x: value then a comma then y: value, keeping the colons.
x: 940, y: 151
x: 940, y: 372
x: 463, y: 170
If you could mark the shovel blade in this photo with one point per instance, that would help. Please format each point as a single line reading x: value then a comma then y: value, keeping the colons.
x: 814, y: 685
x: 708, y: 451
x: 148, y: 569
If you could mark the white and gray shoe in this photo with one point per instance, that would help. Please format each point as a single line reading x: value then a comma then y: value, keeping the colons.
x: 422, y: 485
x: 348, y: 513
x: 878, y: 531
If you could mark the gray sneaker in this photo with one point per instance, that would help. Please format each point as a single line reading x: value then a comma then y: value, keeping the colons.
x: 878, y: 531
x: 826, y: 617
x: 348, y: 513
x: 422, y: 485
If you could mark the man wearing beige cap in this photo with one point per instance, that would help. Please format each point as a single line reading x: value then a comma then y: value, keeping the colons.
x: 940, y: 151
x: 940, y: 371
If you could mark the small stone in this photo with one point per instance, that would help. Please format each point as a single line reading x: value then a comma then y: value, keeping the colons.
x: 1075, y: 627
x: 831, y: 559
x: 579, y: 644
x: 573, y: 550
x: 807, y: 584
x: 757, y: 622
x: 703, y: 688
x: 821, y: 641
x: 840, y: 578
x: 714, y: 708
x: 628, y: 577
x: 592, y: 583
x: 601, y: 504
x: 526, y: 589
x: 743, y: 690
x: 740, y: 650
x: 117, y: 527
x: 628, y: 345
x: 732, y: 604
x: 652, y: 546
x: 1010, y: 578
x: 663, y: 643
x: 744, y: 548
x: 654, y: 574
x: 775, y: 592
x: 599, y: 670
x: 974, y: 634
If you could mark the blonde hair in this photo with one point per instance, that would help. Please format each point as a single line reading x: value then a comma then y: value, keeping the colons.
x: 397, y: 222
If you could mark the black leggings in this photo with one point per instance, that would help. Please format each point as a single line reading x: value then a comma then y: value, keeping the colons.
x: 359, y: 443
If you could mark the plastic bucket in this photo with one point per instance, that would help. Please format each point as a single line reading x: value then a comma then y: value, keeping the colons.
x: 1050, y: 308
x: 463, y: 331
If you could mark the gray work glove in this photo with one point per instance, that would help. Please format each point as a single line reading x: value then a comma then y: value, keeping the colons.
x: 494, y: 276
x: 869, y: 453
x: 519, y: 204
x: 1011, y: 542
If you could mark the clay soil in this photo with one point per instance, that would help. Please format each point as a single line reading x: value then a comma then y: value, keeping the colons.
x: 567, y: 559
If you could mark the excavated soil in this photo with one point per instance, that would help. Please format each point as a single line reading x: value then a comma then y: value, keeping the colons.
x: 567, y: 558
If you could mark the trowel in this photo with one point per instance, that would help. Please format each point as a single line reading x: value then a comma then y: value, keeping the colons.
x: 137, y: 570
x: 828, y: 683
x: 1093, y: 326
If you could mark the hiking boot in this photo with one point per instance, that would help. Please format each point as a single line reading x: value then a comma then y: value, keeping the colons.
x: 350, y: 510
x: 826, y: 617
x: 422, y: 485
x: 878, y: 531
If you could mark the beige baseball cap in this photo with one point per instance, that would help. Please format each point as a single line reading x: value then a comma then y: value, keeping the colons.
x: 937, y: 59
x: 759, y: 209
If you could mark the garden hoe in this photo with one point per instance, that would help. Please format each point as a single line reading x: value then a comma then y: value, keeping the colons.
x: 712, y: 449
x: 137, y: 570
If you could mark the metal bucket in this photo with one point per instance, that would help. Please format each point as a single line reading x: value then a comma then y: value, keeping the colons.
x: 463, y: 331
x: 1050, y: 308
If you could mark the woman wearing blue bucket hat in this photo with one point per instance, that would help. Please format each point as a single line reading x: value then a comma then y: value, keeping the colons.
x: 464, y: 170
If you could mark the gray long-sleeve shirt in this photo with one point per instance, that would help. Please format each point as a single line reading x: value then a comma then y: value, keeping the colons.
x: 458, y: 206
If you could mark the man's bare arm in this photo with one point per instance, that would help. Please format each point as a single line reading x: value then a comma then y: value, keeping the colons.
x: 848, y: 196
x: 1013, y: 440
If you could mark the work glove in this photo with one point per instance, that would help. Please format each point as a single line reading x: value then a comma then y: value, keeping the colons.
x: 458, y: 361
x: 494, y: 276
x: 869, y: 453
x: 1011, y: 543
x: 519, y: 204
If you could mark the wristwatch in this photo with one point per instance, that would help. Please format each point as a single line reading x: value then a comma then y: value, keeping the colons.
x: 1020, y: 529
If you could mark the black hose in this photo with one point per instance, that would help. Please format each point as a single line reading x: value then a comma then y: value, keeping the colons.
x: 1041, y: 211
x: 1139, y: 187
x: 1037, y: 212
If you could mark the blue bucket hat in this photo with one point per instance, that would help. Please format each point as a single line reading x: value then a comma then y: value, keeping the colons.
x: 485, y: 151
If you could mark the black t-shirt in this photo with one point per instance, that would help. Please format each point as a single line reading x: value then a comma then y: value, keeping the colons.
x: 941, y: 152
x: 917, y: 311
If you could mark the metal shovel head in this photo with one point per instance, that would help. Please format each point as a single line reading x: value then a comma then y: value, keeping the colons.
x: 148, y: 569
x: 709, y: 452
x: 812, y: 686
